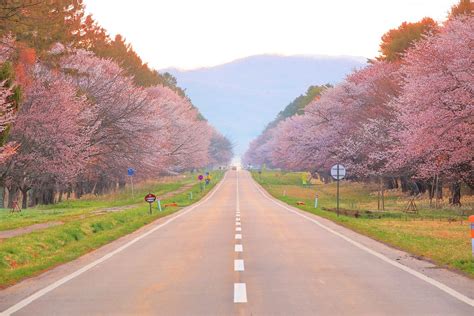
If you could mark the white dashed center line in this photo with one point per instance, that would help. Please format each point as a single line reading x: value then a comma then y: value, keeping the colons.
x: 240, y: 293
x: 240, y: 289
x: 239, y: 265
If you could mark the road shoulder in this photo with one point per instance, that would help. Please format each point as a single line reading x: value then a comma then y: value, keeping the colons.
x: 456, y: 281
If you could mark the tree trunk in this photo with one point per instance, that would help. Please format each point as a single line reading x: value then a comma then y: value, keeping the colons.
x: 12, y: 196
x: 439, y: 187
x: 431, y: 190
x: 24, y: 198
x: 32, y: 198
x: 121, y: 183
x: 2, y: 197
x: 48, y: 196
x: 390, y: 183
x: 456, y: 194
x: 422, y: 186
x: 381, y: 194
x: 404, y: 184
x: 79, y: 191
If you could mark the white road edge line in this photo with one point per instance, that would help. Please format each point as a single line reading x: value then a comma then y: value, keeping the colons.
x: 239, y: 265
x: 28, y: 300
x: 415, y: 273
x: 238, y: 248
x: 240, y: 293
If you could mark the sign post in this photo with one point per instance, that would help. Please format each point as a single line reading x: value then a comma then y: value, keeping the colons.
x: 200, y: 178
x: 338, y: 172
x: 150, y: 198
x: 131, y: 173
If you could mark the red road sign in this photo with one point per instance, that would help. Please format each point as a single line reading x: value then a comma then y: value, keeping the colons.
x: 150, y: 198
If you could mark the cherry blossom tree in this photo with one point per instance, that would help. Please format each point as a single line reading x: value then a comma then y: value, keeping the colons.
x: 7, y: 116
x: 220, y: 149
x: 51, y: 136
x: 183, y: 137
x: 260, y: 150
x: 120, y: 111
x: 436, y: 109
x: 7, y: 98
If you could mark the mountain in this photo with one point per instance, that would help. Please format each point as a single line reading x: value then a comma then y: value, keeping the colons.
x: 241, y: 97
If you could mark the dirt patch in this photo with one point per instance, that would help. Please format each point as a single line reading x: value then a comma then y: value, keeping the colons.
x: 28, y: 229
x: 173, y: 193
x: 113, y: 209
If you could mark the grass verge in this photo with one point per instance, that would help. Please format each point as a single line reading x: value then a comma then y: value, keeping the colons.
x: 28, y: 255
x: 430, y: 234
x: 71, y: 210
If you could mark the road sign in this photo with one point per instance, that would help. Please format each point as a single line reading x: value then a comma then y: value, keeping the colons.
x: 150, y: 198
x: 200, y: 177
x: 131, y: 173
x: 338, y: 172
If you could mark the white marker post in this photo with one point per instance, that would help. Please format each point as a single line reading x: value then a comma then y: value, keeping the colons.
x: 158, y: 204
x: 316, y: 201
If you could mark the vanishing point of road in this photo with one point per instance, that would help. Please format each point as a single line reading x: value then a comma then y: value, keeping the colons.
x: 241, y: 252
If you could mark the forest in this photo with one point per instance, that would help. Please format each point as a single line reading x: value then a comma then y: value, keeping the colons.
x: 78, y: 108
x: 405, y: 120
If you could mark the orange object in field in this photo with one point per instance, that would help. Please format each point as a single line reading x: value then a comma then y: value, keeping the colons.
x: 471, y: 220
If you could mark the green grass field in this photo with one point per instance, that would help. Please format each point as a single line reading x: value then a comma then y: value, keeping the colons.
x: 83, y: 231
x: 440, y: 235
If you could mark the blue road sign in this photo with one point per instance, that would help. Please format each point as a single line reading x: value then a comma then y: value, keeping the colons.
x: 131, y: 171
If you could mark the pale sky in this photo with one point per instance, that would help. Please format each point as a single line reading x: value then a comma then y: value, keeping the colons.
x: 197, y: 33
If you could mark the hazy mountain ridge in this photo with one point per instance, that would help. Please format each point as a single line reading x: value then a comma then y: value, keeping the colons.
x: 241, y: 97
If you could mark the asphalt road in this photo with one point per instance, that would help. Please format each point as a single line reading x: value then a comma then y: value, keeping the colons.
x: 239, y: 252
